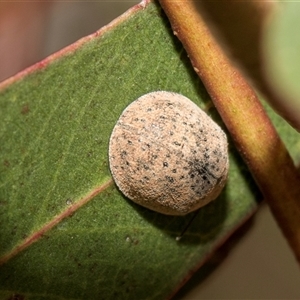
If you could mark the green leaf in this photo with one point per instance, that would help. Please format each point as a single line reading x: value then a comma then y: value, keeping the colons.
x: 281, y: 46
x: 66, y: 232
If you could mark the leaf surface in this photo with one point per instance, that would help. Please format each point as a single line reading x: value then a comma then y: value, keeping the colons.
x: 55, y: 124
x: 281, y: 48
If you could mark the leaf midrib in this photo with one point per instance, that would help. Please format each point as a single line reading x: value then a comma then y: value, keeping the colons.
x: 71, y: 209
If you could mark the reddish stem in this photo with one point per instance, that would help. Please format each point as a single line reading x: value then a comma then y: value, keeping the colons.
x: 251, y: 129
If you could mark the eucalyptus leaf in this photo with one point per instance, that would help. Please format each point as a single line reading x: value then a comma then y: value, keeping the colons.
x: 55, y: 124
x: 281, y: 46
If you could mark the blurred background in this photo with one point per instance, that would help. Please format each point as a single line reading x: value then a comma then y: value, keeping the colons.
x: 254, y: 264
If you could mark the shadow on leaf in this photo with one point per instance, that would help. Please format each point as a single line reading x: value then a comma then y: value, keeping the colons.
x: 194, y: 228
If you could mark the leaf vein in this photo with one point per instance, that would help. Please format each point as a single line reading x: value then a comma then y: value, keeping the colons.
x: 35, y: 236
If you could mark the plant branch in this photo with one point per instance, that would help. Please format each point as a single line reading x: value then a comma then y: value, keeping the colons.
x: 251, y: 129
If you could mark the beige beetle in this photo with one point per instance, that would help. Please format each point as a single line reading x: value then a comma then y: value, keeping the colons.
x: 168, y: 155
